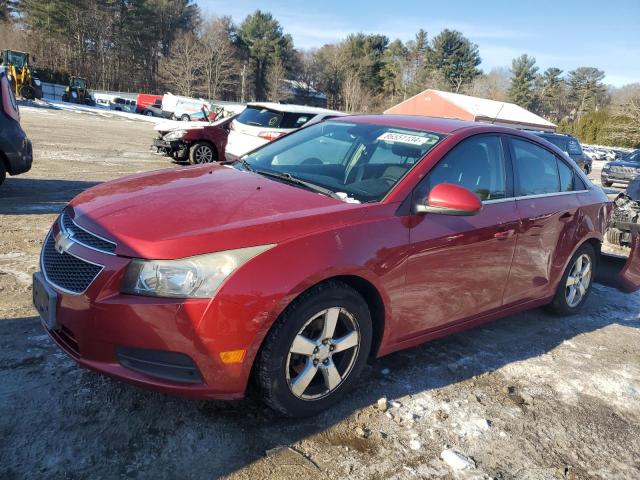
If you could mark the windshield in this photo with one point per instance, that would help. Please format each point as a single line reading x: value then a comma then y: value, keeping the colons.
x: 359, y: 162
x: 633, y: 157
x: 79, y: 83
x: 264, y: 117
x: 16, y: 59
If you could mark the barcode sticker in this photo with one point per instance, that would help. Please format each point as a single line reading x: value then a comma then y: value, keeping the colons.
x: 416, y: 140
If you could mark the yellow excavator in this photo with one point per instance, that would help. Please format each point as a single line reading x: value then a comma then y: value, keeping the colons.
x: 24, y: 80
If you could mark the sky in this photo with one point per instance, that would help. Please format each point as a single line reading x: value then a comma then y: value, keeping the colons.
x: 560, y: 33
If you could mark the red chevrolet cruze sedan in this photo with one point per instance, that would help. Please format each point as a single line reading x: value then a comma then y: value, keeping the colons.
x: 344, y: 241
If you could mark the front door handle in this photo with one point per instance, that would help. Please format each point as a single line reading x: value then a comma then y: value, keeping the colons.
x: 566, y: 216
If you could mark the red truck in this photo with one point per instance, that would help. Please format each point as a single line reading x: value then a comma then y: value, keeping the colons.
x: 145, y: 100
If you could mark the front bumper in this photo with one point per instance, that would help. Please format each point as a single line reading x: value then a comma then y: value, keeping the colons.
x: 176, y: 148
x: 160, y: 344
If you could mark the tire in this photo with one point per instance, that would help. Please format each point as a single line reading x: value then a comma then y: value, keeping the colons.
x: 65, y: 97
x: 280, y: 372
x: 202, y: 152
x: 27, y: 92
x: 607, y: 184
x: 185, y: 118
x: 3, y: 173
x: 148, y: 113
x: 562, y: 304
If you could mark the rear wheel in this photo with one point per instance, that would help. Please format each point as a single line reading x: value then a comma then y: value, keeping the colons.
x: 575, y: 285
x: 607, y: 184
x: 149, y: 113
x: 201, y: 152
x: 315, y: 351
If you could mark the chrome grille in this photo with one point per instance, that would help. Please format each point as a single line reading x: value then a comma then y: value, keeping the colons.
x: 65, y: 271
x: 84, y: 237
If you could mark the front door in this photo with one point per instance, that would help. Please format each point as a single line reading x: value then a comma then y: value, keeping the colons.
x: 458, y: 265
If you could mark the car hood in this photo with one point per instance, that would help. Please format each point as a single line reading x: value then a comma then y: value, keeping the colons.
x: 189, y: 211
x: 622, y: 163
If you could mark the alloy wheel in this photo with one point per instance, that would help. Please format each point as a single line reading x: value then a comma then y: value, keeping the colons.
x: 204, y: 154
x: 578, y: 280
x: 322, y: 354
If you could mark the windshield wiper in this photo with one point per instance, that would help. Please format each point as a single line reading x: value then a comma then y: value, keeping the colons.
x: 244, y: 163
x: 287, y: 177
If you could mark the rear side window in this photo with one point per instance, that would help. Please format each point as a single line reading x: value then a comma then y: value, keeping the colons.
x: 536, y: 169
x: 477, y: 164
x: 566, y: 177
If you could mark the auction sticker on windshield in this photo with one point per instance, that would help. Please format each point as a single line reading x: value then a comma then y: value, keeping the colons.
x: 418, y: 141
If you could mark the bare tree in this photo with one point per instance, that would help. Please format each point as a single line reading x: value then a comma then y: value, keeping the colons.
x: 182, y: 69
x: 275, y: 77
x: 219, y: 57
x: 355, y: 97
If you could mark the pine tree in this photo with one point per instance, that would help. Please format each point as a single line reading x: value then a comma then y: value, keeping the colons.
x: 523, y: 71
x: 454, y: 57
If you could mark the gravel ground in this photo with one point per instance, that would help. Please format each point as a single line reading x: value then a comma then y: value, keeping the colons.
x: 530, y: 396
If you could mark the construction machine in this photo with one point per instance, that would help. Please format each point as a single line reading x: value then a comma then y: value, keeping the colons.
x: 77, y: 91
x: 24, y: 81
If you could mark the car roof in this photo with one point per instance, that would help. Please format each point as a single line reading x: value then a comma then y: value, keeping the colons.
x: 415, y: 122
x: 290, y: 108
x: 552, y: 134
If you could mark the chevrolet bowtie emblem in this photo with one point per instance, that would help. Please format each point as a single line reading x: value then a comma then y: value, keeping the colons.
x: 63, y: 242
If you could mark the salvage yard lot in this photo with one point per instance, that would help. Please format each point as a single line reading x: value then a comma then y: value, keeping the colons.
x: 528, y: 397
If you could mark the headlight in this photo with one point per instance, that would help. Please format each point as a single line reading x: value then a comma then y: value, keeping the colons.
x: 193, y: 277
x: 37, y: 82
x: 175, y: 135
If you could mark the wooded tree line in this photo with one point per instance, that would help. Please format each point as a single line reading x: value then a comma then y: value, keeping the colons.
x: 168, y: 45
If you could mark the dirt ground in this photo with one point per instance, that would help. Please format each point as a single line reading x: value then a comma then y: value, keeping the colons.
x: 530, y: 396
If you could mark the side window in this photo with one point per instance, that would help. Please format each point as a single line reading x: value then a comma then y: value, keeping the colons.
x: 477, y: 164
x: 566, y: 177
x: 536, y: 170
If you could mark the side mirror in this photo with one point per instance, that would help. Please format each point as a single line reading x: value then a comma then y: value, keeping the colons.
x: 450, y: 199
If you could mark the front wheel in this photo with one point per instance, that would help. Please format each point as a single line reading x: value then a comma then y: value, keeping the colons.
x: 185, y: 118
x: 315, y: 351
x: 201, y: 152
x: 576, y: 282
x: 607, y: 184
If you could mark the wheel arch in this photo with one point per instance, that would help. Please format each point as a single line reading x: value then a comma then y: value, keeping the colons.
x: 369, y: 293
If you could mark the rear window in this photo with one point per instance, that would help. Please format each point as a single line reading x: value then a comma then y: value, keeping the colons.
x: 566, y: 144
x: 265, y: 117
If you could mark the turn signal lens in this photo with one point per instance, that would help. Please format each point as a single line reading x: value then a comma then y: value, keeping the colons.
x: 232, y: 356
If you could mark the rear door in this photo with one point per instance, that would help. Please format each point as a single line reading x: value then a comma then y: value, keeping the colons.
x: 458, y: 265
x: 546, y: 200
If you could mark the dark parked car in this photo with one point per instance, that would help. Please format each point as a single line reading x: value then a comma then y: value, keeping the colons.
x: 571, y: 146
x: 621, y: 171
x: 15, y: 148
x: 341, y: 242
